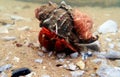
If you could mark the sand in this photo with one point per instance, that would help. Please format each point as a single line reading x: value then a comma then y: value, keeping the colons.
x: 28, y: 55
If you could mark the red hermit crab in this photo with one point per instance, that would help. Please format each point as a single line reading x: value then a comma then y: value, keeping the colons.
x: 63, y: 28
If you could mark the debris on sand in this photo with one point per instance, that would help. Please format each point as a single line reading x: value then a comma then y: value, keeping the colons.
x: 5, y: 67
x: 109, y: 26
x: 81, y: 64
x: 77, y: 73
x: 8, y: 38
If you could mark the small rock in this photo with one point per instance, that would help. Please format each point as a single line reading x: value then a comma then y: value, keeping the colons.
x: 61, y: 55
x: 65, y: 66
x: 108, y: 39
x: 74, y: 55
x: 100, y: 54
x: 72, y: 66
x: 25, y: 28
x: 44, y: 49
x: 78, y: 73
x: 4, y: 30
x: 15, y: 17
x: 16, y: 59
x: 61, y: 60
x: 80, y: 64
x: 118, y: 44
x: 8, y: 38
x: 41, y: 54
x: 20, y: 72
x: 109, y: 26
x: 97, y: 60
x: 39, y: 61
x: 5, y: 67
x: 108, y: 71
x: 50, y: 53
x: 111, y: 54
x: 111, y: 45
x: 45, y: 75
x: 3, y: 74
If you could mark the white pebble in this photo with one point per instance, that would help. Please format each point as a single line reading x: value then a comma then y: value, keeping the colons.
x: 15, y: 17
x: 111, y: 45
x: 78, y: 73
x: 16, y: 59
x: 8, y: 38
x: 39, y: 61
x: 3, y: 74
x: 74, y: 55
x: 45, y: 75
x: 61, y: 55
x: 72, y: 66
x: 109, y: 26
x: 108, y: 39
x: 41, y: 54
x: 4, y: 30
x: 5, y: 67
x: 25, y: 28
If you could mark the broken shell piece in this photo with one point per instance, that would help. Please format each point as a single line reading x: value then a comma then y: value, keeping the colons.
x: 80, y: 64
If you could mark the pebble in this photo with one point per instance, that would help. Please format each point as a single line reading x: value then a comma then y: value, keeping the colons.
x: 77, y: 73
x: 41, y: 54
x: 16, y: 59
x: 5, y: 67
x: 20, y: 72
x: 8, y: 38
x: 72, y: 66
x: 15, y: 17
x: 39, y: 61
x: 61, y: 55
x: 112, y: 54
x: 50, y: 53
x: 3, y: 74
x: 4, y: 29
x: 45, y: 75
x: 108, y: 71
x: 111, y: 45
x: 98, y: 60
x: 108, y: 39
x: 118, y: 44
x: 74, y: 55
x: 109, y: 26
x: 80, y: 64
x: 25, y: 28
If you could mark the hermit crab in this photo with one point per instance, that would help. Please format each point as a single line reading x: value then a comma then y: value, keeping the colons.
x: 63, y: 29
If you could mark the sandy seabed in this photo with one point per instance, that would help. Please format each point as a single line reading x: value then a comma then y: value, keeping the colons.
x: 25, y: 56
